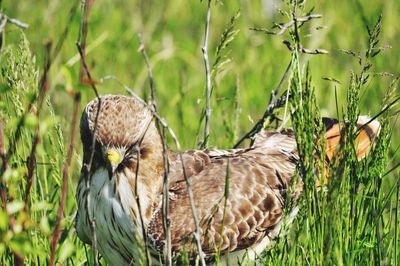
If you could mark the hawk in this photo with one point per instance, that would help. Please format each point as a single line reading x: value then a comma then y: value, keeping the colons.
x: 126, y: 186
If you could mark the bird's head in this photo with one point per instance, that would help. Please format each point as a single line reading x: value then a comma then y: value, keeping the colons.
x: 123, y: 130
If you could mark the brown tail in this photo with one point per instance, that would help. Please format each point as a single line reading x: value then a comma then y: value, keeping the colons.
x: 368, y: 131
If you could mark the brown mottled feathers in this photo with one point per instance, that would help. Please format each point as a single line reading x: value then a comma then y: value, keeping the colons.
x: 258, y: 177
x: 258, y: 180
x: 116, y: 112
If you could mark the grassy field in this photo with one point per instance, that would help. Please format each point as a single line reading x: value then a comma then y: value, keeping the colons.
x: 357, y: 220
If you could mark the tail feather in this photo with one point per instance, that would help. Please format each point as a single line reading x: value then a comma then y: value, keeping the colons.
x: 368, y: 131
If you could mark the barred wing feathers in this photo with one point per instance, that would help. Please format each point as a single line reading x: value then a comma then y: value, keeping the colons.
x: 258, y: 180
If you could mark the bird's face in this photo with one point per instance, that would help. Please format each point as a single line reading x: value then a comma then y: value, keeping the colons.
x: 117, y: 158
x: 121, y: 130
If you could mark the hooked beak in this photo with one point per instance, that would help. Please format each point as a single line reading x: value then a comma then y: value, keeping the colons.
x: 115, y: 158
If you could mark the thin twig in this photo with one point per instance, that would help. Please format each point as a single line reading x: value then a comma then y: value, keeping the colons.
x: 148, y: 263
x: 226, y: 196
x: 44, y: 79
x: 313, y: 51
x: 165, y: 198
x: 276, y: 103
x: 204, y: 50
x: 165, y: 201
x: 273, y: 104
x: 304, y: 50
x: 18, y: 259
x: 31, y: 167
x: 83, y: 34
x: 142, y: 50
x: 153, y: 100
x: 286, y: 26
x: 197, y: 233
x: 4, y: 166
x: 64, y: 188
x: 3, y: 22
x: 14, y: 21
x: 87, y: 167
x: 43, y: 89
x: 332, y: 80
x: 81, y: 45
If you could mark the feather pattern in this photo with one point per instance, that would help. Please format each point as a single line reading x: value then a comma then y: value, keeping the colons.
x: 255, y: 206
x: 128, y: 199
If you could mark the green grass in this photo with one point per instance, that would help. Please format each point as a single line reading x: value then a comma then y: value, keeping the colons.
x: 355, y: 220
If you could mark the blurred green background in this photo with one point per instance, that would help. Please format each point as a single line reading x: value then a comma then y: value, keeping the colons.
x: 173, y: 33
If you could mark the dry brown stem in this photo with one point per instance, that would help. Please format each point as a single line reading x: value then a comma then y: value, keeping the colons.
x: 204, y: 50
x: 64, y: 188
x: 81, y: 45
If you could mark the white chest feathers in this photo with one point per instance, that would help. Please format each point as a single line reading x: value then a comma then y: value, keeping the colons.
x: 117, y: 239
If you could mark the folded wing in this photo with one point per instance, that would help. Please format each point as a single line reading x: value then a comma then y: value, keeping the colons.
x: 258, y: 179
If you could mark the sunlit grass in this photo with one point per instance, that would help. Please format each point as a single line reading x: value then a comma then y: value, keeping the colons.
x: 356, y: 221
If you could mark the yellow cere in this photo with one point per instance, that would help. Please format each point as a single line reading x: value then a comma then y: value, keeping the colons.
x: 113, y: 156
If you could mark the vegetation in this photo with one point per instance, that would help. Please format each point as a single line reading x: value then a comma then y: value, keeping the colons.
x: 258, y: 65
